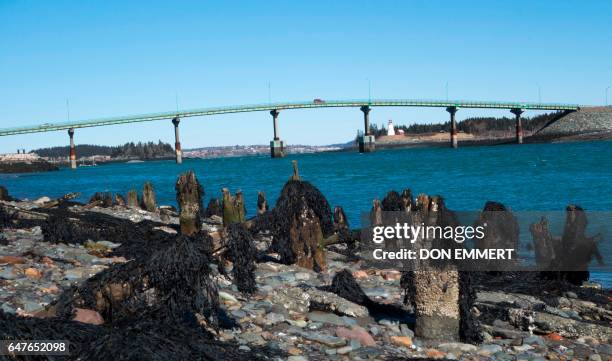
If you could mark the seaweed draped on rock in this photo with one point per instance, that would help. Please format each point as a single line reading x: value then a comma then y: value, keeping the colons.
x: 174, y: 281
x: 300, y: 220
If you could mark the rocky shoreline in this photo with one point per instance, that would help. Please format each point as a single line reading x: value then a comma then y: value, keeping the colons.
x: 27, y: 167
x: 342, y: 310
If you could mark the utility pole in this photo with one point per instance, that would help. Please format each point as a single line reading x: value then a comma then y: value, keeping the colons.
x: 369, y: 91
x: 608, y: 88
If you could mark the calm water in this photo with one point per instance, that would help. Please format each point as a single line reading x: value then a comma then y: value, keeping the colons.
x: 528, y: 177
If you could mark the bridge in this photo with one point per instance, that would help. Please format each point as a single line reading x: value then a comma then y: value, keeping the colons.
x: 366, y: 141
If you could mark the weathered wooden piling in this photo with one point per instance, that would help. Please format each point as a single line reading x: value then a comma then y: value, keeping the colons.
x: 376, y: 213
x: 300, y: 220
x: 189, y: 195
x: 132, y: 199
x: 119, y: 200
x: 149, y: 202
x: 233, y: 207
x: 214, y: 208
x: 296, y: 172
x: 4, y: 194
x: 501, y: 231
x: 436, y: 287
x: 262, y: 203
x: 544, y: 244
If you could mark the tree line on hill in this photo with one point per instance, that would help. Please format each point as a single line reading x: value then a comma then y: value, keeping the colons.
x: 140, y: 150
x: 475, y: 125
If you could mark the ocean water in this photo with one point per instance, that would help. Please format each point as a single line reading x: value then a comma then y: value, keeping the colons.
x: 528, y: 177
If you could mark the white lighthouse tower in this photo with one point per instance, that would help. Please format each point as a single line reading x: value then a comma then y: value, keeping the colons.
x: 390, y: 129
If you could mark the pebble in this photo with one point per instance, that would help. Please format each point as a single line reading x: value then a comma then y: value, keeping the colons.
x: 297, y: 358
x: 274, y: 318
x: 226, y: 297
x: 457, y: 346
x: 324, y: 317
x: 356, y: 333
x: 404, y: 341
x: 488, y: 350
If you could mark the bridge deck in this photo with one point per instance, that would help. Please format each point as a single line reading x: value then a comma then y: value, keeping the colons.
x: 47, y: 127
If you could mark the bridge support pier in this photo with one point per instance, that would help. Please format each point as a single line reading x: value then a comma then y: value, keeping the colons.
x: 367, y: 142
x: 519, y: 127
x: 453, y: 126
x: 277, y: 146
x: 72, y: 157
x: 177, y: 141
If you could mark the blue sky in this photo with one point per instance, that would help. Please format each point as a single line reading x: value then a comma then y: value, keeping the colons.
x: 127, y: 57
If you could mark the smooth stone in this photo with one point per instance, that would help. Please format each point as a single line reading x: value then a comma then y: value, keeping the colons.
x: 328, y: 340
x: 302, y: 276
x: 8, y: 274
x: 73, y: 274
x: 31, y: 306
x: 324, y: 317
x: 239, y: 314
x: 356, y: 334
x: 274, y: 318
x: 595, y: 357
x: 377, y: 292
x: 252, y: 338
x: 297, y: 323
x: 488, y: 350
x: 533, y: 340
x: 522, y: 348
x: 297, y: 358
x: 344, y: 350
x: 570, y: 294
x: 227, y: 297
x: 315, y: 326
x: 457, y: 346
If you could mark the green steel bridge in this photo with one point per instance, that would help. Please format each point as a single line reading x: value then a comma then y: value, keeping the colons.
x: 453, y: 104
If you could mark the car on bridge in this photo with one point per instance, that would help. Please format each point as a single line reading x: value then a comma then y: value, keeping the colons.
x: 318, y: 101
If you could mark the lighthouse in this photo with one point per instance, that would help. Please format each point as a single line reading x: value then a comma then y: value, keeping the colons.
x: 390, y: 129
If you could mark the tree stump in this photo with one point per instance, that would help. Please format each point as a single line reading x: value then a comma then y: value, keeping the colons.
x: 148, y: 197
x: 189, y: 195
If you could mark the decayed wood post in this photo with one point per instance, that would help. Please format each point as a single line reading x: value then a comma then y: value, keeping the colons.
x: 233, y: 208
x: 189, y: 198
x: 376, y: 213
x: 148, y: 197
x: 436, y: 288
x: 132, y: 199
x: 119, y: 200
x: 543, y: 243
x: 296, y: 172
x: 262, y: 203
x: 214, y: 208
